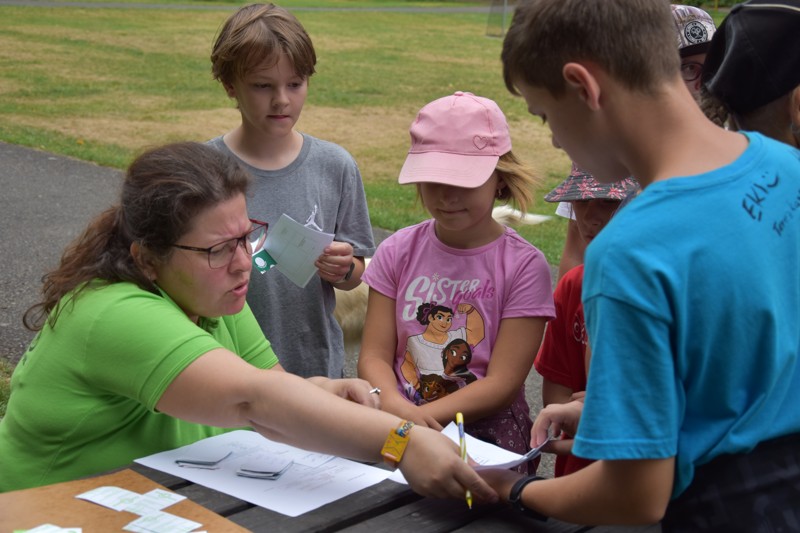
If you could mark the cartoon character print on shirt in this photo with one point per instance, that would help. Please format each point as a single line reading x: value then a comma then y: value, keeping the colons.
x: 455, y: 358
x: 435, y: 362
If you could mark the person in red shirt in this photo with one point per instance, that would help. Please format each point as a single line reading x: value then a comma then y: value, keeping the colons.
x: 563, y: 359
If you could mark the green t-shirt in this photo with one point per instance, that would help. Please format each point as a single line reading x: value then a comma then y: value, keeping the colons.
x: 83, y: 396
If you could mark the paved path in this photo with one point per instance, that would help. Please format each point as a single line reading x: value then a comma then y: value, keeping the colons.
x: 46, y: 201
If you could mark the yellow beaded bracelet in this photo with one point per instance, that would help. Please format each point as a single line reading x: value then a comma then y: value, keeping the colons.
x: 396, y: 443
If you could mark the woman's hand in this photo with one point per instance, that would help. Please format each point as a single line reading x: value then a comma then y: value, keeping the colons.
x: 353, y: 389
x: 433, y: 467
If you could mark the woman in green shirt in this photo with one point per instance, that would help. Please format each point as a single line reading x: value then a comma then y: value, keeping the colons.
x: 145, y: 343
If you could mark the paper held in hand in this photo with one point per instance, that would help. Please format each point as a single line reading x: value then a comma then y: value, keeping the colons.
x: 485, y: 454
x: 292, y: 248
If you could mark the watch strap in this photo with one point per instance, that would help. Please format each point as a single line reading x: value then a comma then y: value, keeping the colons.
x: 515, y: 498
x: 349, y: 273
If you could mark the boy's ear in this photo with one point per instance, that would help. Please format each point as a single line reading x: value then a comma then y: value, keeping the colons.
x: 229, y: 90
x: 579, y: 78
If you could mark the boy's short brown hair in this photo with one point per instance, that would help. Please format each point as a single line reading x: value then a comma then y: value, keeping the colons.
x: 257, y: 32
x: 632, y: 40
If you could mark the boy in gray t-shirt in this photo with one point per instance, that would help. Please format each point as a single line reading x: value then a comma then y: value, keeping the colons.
x: 263, y: 57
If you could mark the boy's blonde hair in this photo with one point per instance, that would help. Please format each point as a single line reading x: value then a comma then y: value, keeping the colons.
x: 257, y: 32
x: 632, y: 40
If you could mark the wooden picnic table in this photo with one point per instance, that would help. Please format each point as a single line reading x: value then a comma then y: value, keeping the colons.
x: 385, y: 507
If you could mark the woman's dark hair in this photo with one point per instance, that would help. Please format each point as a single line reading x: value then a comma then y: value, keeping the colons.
x: 164, y: 189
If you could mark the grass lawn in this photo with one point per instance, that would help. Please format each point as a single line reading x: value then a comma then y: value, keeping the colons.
x: 100, y: 84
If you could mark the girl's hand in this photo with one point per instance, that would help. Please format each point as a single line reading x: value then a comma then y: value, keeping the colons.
x: 353, y: 389
x: 433, y: 467
x: 398, y: 405
x: 335, y: 261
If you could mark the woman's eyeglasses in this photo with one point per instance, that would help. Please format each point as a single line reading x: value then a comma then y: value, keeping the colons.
x: 221, y: 254
x: 691, y: 70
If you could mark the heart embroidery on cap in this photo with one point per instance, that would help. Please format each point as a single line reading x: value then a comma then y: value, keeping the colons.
x: 480, y: 142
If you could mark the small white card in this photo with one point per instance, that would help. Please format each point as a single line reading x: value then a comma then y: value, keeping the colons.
x: 155, y: 500
x: 112, y: 497
x: 295, y: 248
x: 50, y: 528
x: 160, y: 522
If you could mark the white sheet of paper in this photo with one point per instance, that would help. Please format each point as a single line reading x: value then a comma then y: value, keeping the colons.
x: 313, y: 460
x: 301, y: 489
x: 533, y: 453
x: 295, y: 247
x: 485, y: 454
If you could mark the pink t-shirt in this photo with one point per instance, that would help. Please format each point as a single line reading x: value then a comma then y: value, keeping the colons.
x: 449, y: 303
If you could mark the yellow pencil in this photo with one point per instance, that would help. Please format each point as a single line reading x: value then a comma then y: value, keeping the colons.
x: 463, y: 442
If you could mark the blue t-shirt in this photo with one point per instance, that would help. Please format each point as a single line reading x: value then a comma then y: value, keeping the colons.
x: 692, y: 303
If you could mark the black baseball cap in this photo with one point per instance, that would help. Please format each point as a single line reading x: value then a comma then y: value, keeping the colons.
x: 754, y: 56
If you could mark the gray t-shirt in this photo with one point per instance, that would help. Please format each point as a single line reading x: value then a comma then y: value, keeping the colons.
x: 323, y: 182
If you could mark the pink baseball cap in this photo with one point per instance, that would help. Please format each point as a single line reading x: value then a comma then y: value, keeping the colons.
x: 456, y: 140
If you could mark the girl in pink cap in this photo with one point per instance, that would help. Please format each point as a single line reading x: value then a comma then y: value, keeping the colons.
x: 459, y: 276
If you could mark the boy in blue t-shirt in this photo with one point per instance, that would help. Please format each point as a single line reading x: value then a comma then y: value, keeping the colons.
x: 691, y: 293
